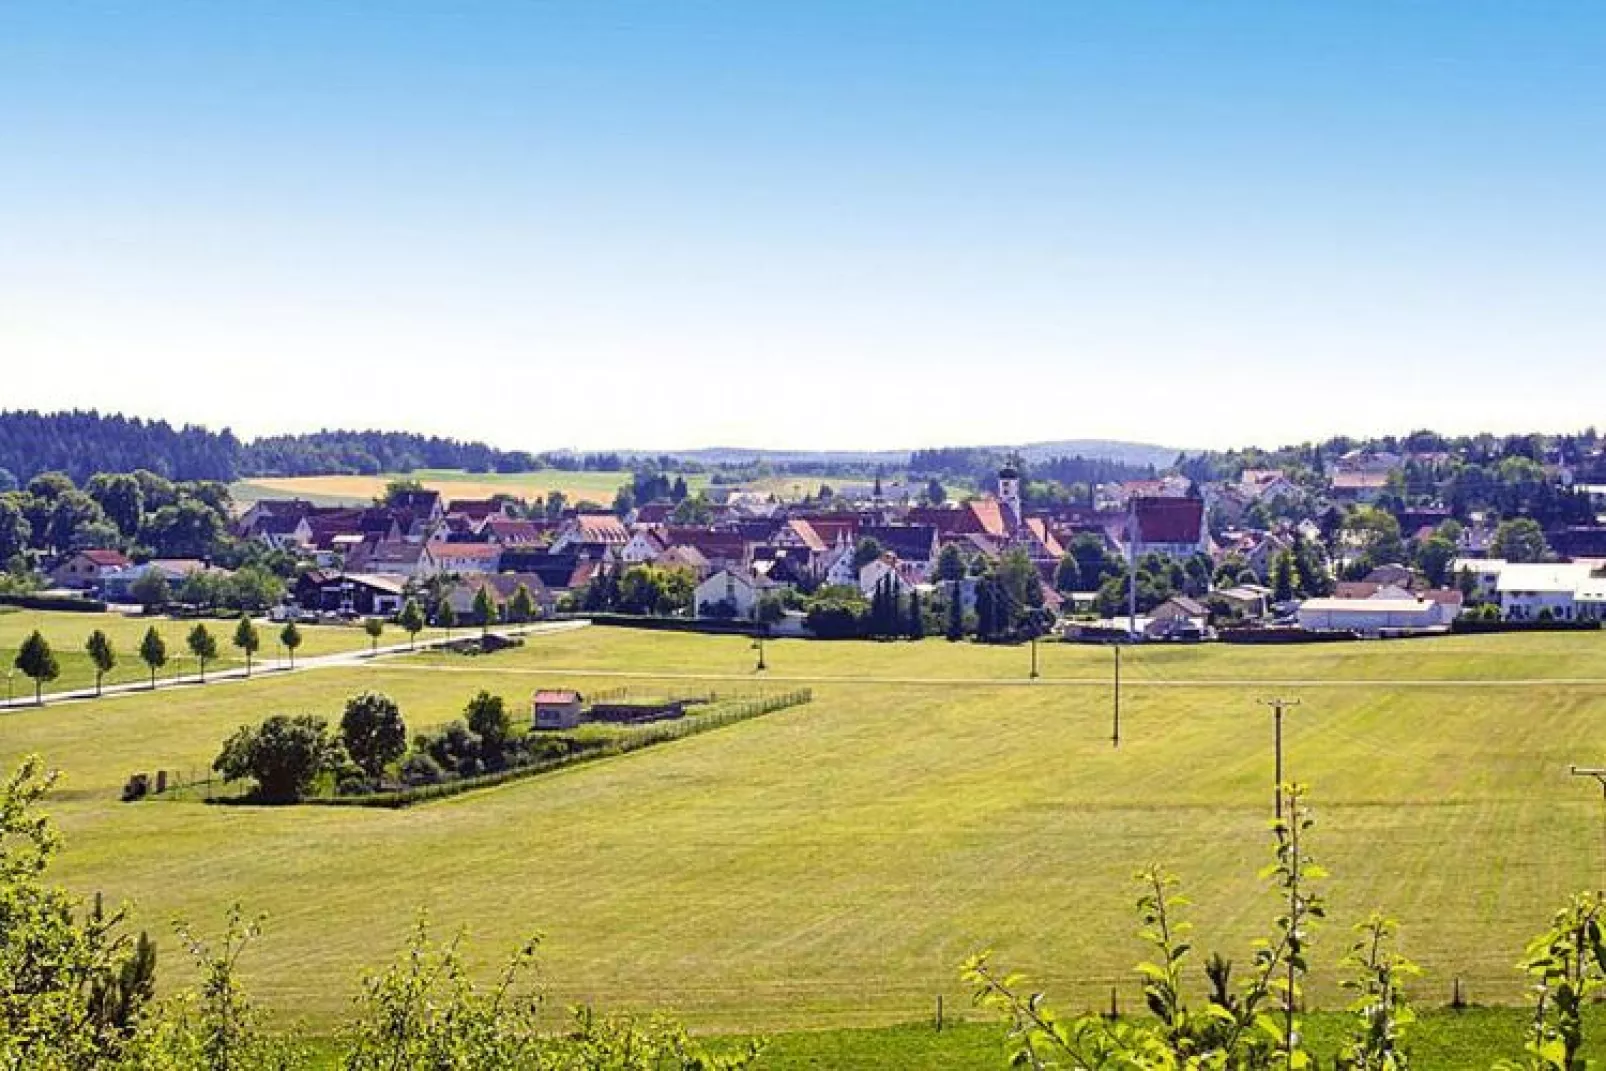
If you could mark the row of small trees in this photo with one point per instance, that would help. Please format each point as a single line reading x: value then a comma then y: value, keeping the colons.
x: 36, y: 659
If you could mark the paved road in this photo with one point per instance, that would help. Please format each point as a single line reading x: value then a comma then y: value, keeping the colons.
x: 264, y: 668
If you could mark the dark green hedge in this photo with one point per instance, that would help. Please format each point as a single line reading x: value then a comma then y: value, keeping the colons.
x: 74, y: 603
x: 1470, y: 625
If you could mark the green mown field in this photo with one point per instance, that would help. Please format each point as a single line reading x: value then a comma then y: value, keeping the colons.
x: 68, y: 631
x: 828, y: 866
x: 596, y: 486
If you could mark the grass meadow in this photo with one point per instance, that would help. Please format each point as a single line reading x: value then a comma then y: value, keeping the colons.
x: 826, y: 867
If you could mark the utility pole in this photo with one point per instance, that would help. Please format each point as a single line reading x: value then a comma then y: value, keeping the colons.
x: 1278, y: 705
x: 1132, y: 568
x: 1034, y: 657
x: 1115, y: 735
x: 758, y: 645
x: 1599, y: 774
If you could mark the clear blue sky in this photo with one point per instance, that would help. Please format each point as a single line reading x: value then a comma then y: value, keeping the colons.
x: 810, y: 224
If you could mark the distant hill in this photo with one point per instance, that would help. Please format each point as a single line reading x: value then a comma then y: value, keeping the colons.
x: 1140, y: 455
x: 1125, y: 453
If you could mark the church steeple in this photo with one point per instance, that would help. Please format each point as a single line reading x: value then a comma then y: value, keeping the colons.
x: 1009, y: 490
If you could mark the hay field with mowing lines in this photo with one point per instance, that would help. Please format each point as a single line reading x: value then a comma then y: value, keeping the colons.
x: 599, y: 487
x: 829, y: 865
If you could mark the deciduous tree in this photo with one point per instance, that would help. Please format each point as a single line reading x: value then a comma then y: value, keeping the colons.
x: 203, y: 645
x: 101, y: 654
x: 247, y: 639
x: 284, y: 755
x: 290, y: 636
x: 37, y: 662
x: 153, y: 652
x: 411, y: 619
x: 1520, y: 540
x: 373, y: 731
x: 375, y: 627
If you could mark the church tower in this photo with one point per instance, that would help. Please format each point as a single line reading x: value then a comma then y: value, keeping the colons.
x: 1009, y: 492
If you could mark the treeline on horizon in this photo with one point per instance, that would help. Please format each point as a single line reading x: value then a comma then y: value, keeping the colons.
x: 81, y: 443
x: 84, y: 442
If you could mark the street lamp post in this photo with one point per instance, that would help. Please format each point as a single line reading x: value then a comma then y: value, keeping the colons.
x: 1278, y: 705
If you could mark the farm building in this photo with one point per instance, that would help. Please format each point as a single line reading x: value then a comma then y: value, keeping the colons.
x: 1373, y: 616
x: 367, y: 594
x: 556, y: 708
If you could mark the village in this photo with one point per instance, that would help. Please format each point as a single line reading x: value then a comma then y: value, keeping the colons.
x: 1259, y: 556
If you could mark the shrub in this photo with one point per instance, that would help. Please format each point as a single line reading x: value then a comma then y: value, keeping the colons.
x: 284, y: 755
x: 420, y: 769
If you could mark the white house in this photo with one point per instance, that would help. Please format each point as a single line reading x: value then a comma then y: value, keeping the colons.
x: 738, y: 588
x: 871, y: 575
x: 839, y: 568
x: 1527, y: 590
x: 1589, y: 602
x: 87, y: 568
x: 1174, y: 527
x: 1485, y: 573
x: 647, y: 544
x: 463, y: 557
x: 592, y: 530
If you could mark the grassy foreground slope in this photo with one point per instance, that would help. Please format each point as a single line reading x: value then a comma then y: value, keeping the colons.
x: 829, y: 865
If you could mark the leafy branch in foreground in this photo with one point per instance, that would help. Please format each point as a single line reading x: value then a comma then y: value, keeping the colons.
x: 1380, y: 1005
x: 1255, y: 1027
x: 1567, y: 967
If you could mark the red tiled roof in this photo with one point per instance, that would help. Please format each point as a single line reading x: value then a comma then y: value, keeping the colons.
x: 480, y: 551
x: 106, y: 559
x: 806, y: 534
x: 600, y: 528
x: 1169, y: 520
x: 989, y: 517
x: 557, y: 695
x: 477, y: 508
x: 711, y: 542
x: 1360, y: 481
x: 654, y: 513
